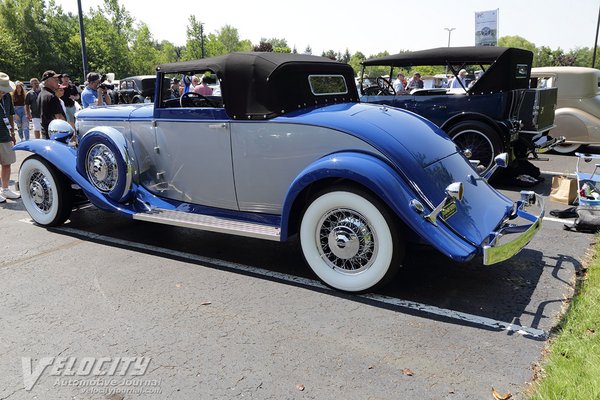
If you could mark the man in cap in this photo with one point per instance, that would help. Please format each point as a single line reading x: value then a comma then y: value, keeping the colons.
x: 94, y: 94
x: 48, y: 104
x: 69, y: 97
x: 7, y: 137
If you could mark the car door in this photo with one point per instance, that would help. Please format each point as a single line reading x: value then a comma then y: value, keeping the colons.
x: 193, y: 157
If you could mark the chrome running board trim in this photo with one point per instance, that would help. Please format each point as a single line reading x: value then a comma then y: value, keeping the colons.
x: 210, y: 223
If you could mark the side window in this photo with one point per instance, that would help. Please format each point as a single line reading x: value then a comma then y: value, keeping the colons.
x: 191, y: 89
x: 322, y: 85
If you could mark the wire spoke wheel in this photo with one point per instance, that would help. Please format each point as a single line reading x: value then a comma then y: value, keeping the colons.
x: 347, y: 241
x: 350, y: 240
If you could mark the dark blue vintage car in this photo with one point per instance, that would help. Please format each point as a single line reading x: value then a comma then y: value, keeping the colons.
x: 488, y: 114
x: 287, y: 150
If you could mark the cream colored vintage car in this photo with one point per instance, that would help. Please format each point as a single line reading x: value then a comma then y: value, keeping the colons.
x: 577, y: 115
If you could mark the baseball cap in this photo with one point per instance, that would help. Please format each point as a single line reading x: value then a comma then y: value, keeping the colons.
x: 49, y: 74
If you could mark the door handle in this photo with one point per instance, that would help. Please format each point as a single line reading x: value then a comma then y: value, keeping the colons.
x: 217, y: 126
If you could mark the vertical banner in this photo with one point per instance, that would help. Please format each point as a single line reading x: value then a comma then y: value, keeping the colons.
x: 486, y: 28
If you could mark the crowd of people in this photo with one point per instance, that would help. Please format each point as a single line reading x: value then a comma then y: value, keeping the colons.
x: 53, y: 96
x: 402, y: 86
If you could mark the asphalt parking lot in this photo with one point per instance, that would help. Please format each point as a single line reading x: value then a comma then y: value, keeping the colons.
x: 211, y: 316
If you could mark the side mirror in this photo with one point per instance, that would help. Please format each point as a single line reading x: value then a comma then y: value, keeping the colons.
x: 60, y: 130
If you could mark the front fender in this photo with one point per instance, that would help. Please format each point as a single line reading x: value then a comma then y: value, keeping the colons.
x: 64, y: 159
x: 381, y: 179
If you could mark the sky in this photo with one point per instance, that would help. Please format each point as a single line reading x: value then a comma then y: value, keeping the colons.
x: 368, y: 27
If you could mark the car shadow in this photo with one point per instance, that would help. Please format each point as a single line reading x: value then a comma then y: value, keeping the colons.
x: 502, y: 292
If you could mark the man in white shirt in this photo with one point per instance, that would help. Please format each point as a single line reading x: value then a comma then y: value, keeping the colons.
x: 462, y: 78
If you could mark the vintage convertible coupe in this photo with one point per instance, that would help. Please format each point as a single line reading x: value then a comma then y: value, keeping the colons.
x: 287, y: 150
x: 486, y: 116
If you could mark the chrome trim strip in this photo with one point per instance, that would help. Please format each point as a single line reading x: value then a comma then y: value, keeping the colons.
x: 494, y: 252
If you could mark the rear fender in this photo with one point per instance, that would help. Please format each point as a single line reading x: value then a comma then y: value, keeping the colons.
x: 502, y: 129
x: 64, y: 159
x: 382, y: 180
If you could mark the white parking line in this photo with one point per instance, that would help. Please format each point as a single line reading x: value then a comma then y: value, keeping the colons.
x: 570, y: 175
x: 423, y: 308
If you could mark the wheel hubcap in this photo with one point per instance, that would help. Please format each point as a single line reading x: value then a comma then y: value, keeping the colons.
x: 347, y: 242
x: 40, y: 191
x: 102, y: 167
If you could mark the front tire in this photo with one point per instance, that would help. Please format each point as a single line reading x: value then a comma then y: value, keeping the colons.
x: 45, y: 191
x: 350, y: 240
x: 477, y: 141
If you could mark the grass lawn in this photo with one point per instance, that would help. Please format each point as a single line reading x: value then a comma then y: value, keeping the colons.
x: 572, y: 367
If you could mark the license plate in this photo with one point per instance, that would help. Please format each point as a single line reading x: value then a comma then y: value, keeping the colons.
x: 448, y: 210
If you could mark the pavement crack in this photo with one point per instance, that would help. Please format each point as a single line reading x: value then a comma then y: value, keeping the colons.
x: 43, y: 254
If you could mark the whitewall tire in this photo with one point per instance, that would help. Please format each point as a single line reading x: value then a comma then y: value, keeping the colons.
x: 45, y: 192
x: 350, y: 240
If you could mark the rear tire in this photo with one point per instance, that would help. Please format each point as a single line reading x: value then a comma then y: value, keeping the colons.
x: 350, y: 240
x: 477, y: 141
x: 567, y: 148
x: 45, y: 191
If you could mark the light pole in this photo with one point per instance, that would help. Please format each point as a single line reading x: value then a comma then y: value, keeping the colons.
x: 449, y: 33
x: 82, y: 35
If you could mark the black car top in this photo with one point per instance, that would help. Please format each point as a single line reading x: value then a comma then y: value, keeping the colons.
x: 261, y: 85
x: 144, y: 84
x: 504, y: 62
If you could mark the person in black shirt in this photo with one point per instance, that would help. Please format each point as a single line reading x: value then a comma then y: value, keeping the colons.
x: 71, y: 95
x: 48, y: 104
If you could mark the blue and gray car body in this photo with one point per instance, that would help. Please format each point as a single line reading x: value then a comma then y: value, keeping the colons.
x: 264, y: 165
x: 384, y: 157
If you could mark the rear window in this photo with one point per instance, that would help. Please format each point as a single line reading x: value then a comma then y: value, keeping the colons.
x: 322, y: 85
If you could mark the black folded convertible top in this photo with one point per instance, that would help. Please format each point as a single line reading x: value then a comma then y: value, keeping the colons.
x: 260, y: 85
x: 450, y: 55
x: 509, y: 69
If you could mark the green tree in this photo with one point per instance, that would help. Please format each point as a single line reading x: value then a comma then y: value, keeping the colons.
x: 345, y: 58
x: 12, y: 57
x: 308, y: 50
x: 264, y: 46
x: 355, y: 61
x: 516, y: 41
x: 26, y: 22
x: 107, y: 50
x: 195, y: 38
x: 144, y: 53
x: 168, y: 52
x: 230, y: 38
x: 331, y: 54
x: 543, y: 57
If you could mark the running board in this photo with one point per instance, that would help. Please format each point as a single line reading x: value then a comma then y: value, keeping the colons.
x: 209, y: 223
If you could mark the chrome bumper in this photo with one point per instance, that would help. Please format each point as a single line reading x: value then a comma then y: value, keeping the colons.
x: 495, y: 252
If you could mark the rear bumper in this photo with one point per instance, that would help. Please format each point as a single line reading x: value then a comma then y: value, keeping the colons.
x: 515, y: 237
